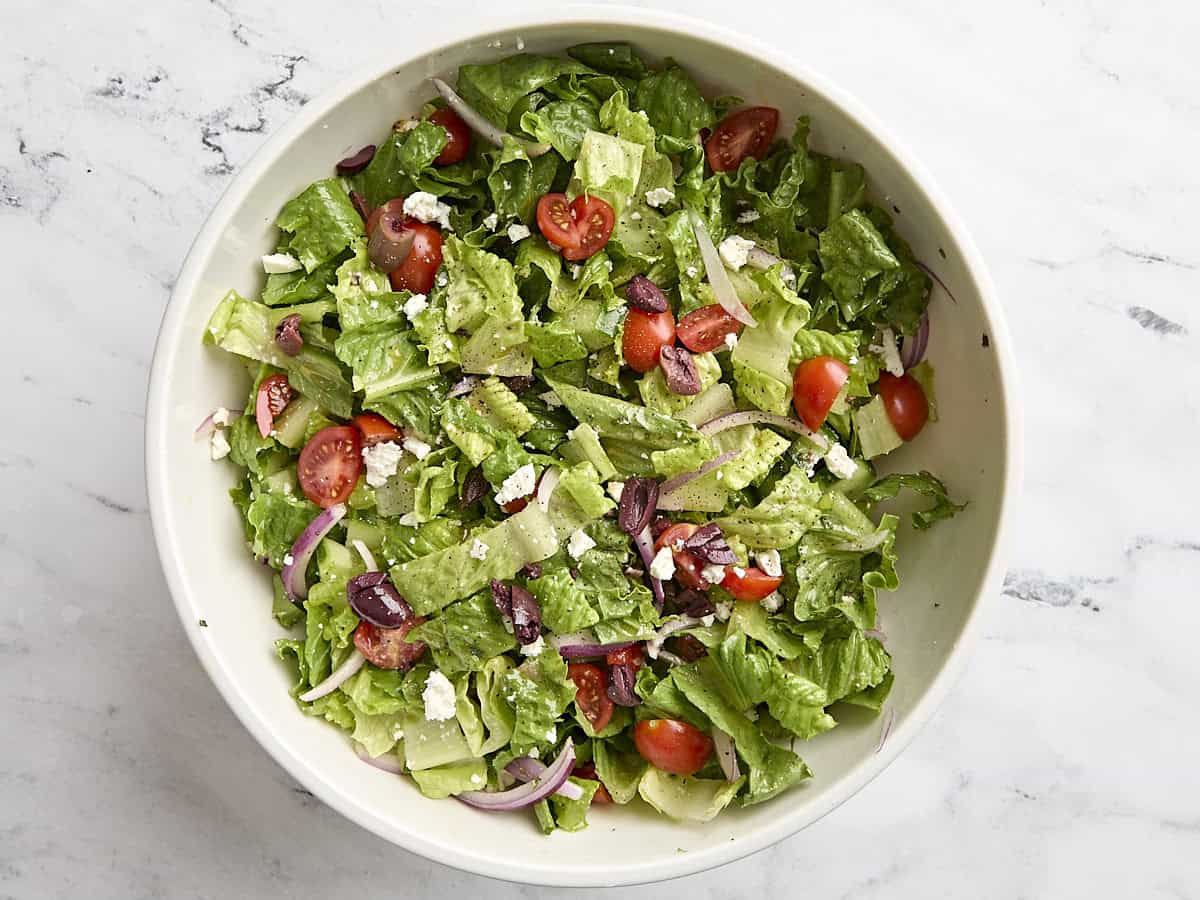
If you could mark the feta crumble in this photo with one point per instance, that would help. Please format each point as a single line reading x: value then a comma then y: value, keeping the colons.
x: 417, y: 447
x: 692, y: 271
x: 772, y: 603
x: 222, y: 416
x: 519, y: 484
x: 635, y: 216
x: 723, y: 611
x: 551, y: 399
x: 518, y: 232
x: 288, y: 559
x: 713, y: 574
x: 490, y: 221
x: 409, y: 520
x: 768, y: 561
x: 479, y: 550
x: 750, y: 215
x: 708, y: 620
x: 442, y: 279
x: 731, y: 340
x: 615, y: 489
x: 534, y: 649
x: 659, y: 197
x: 886, y: 350
x: 415, y: 305
x: 220, y: 444
x: 382, y: 460
x: 280, y: 263
x: 580, y: 543
x: 438, y: 697
x: 735, y: 251
x: 838, y: 461
x: 662, y: 566
x: 425, y: 207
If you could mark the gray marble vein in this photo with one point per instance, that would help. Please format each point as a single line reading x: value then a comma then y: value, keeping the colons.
x: 1064, y: 765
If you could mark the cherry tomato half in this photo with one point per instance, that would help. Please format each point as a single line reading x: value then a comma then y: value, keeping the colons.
x: 672, y: 746
x: 386, y: 648
x: 274, y: 394
x: 330, y: 464
x: 704, y: 329
x: 905, y: 403
x: 458, y: 136
x: 591, y: 695
x: 375, y: 429
x: 579, y: 228
x: 752, y: 584
x: 644, y: 337
x: 815, y: 386
x: 747, y: 132
x: 419, y: 268
x: 687, y: 566
x: 588, y: 770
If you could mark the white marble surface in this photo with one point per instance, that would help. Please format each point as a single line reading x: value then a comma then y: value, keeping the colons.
x: 1066, y: 132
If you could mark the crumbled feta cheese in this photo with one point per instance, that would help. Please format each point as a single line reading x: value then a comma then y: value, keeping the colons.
x: 886, y: 349
x: 220, y: 444
x: 406, y: 125
x: 580, y: 543
x: 382, y: 460
x: 852, y: 360
x: 660, y: 196
x: 635, y: 216
x: 662, y: 566
x: 534, y: 649
x: 789, y: 276
x: 280, y: 263
x: 692, y: 271
x: 425, y: 207
x: 415, y: 305
x: 731, y: 340
x: 288, y: 559
x: 739, y: 571
x: 519, y: 484
x: 713, y: 574
x: 575, y: 270
x: 773, y: 602
x: 222, y: 416
x: 735, y: 250
x: 708, y: 620
x: 768, y: 561
x: 838, y: 461
x: 490, y: 221
x: 551, y: 399
x: 615, y: 489
x: 479, y: 550
x: 518, y: 232
x: 417, y: 447
x: 750, y: 215
x: 438, y: 697
x: 442, y: 279
x: 723, y: 611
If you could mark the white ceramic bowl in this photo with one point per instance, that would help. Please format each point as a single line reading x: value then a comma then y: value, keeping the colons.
x: 945, y: 572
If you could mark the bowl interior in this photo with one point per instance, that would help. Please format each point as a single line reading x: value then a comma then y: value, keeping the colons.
x: 943, y: 571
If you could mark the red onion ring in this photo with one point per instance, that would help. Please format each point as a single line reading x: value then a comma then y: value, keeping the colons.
x: 913, y: 349
x: 293, y: 573
x: 674, y: 484
x: 337, y: 677
x: 528, y: 794
x: 583, y: 646
x: 717, y: 276
x: 644, y: 542
x: 480, y: 125
x: 934, y: 275
x: 368, y: 557
x: 757, y: 417
x: 888, y: 722
x: 525, y: 768
x: 206, y: 427
x: 464, y: 386
x: 679, y: 624
x: 726, y: 754
x: 387, y: 762
x: 546, y: 486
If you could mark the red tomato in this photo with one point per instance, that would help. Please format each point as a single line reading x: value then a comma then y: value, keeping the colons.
x: 752, y: 584
x: 395, y: 205
x: 631, y: 656
x: 588, y: 770
x: 580, y: 228
x: 672, y: 746
x: 515, y: 506
x: 815, y: 386
x: 386, y: 648
x: 330, y: 464
x: 747, y: 132
x: 687, y: 566
x: 591, y: 695
x: 645, y: 336
x: 458, y: 136
x: 419, y: 268
x: 274, y: 394
x: 704, y: 329
x: 905, y: 403
x: 375, y: 429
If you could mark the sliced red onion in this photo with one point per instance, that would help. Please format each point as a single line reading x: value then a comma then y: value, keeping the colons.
x: 726, y: 754
x: 913, y: 349
x: 375, y: 599
x: 645, y: 295
x: 582, y: 645
x: 674, y: 484
x: 717, y: 276
x: 525, y: 768
x: 645, y: 547
x: 757, y: 417
x: 679, y: 370
x: 620, y: 685
x: 654, y: 645
x: 546, y: 486
x: 888, y: 721
x: 934, y: 275
x: 639, y: 497
x: 205, y: 428
x: 356, y: 162
x: 709, y: 544
x: 480, y: 125
x: 387, y: 762
x: 342, y: 673
x: 293, y: 572
x: 390, y: 242
x: 368, y: 557
x: 464, y: 386
x: 287, y: 335
x: 528, y: 794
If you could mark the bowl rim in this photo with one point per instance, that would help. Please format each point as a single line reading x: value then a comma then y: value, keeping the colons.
x: 436, y: 38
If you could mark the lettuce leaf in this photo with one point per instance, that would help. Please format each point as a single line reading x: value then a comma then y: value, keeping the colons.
x: 539, y: 692
x: 608, y: 167
x: 781, y: 518
x: 922, y: 483
x: 562, y: 124
x: 673, y: 103
x: 687, y: 799
x: 322, y: 223
x: 466, y: 635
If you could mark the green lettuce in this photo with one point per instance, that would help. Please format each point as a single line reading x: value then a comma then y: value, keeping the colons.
x: 540, y: 693
x: 780, y: 518
x: 322, y: 223
x: 674, y: 105
x: 608, y: 167
x: 922, y: 483
x: 466, y: 635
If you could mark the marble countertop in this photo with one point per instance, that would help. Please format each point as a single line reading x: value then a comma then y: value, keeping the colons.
x: 1064, y: 764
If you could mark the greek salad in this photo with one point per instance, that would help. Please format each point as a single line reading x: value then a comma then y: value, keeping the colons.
x: 566, y: 403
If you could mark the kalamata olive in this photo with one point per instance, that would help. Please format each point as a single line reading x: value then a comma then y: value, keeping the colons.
x: 620, y: 685
x: 645, y: 295
x: 356, y: 162
x: 390, y: 242
x: 709, y: 544
x: 473, y: 489
x: 639, y: 498
x: 526, y: 615
x: 680, y: 371
x: 374, y: 599
x: 287, y: 335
